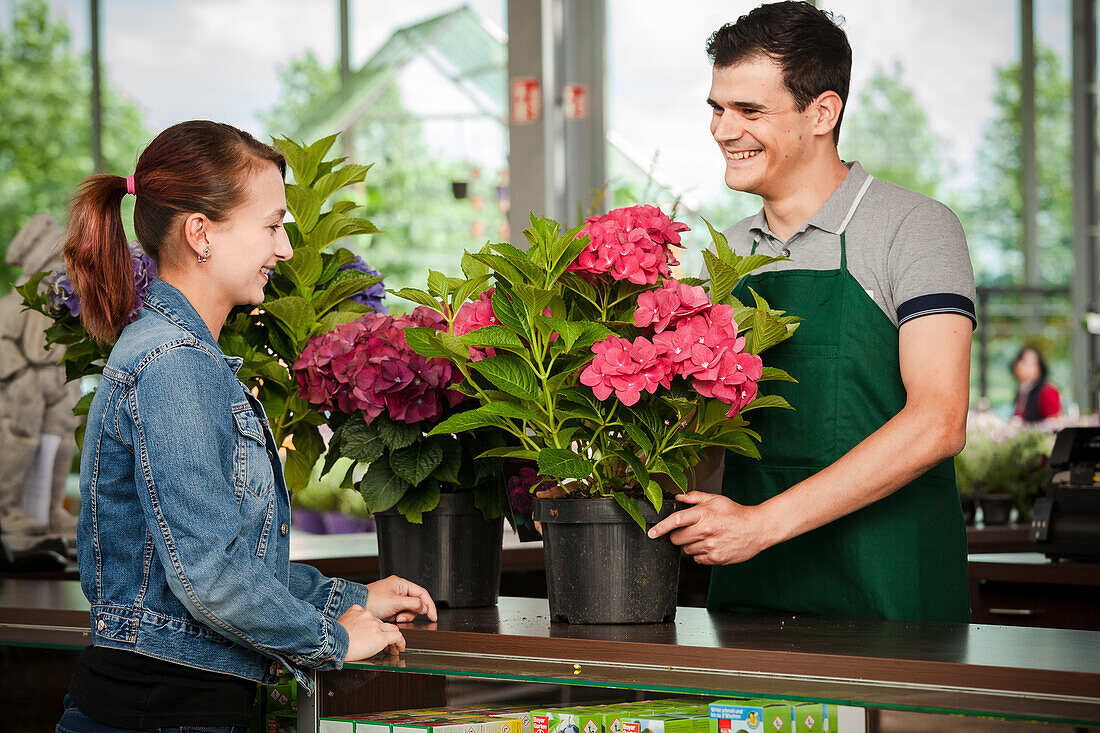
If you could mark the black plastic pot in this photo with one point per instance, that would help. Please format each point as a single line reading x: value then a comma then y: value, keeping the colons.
x: 601, y: 568
x: 969, y: 508
x: 454, y: 554
x: 996, y: 508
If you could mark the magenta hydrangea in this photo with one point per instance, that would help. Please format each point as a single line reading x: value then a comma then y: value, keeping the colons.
x: 627, y: 369
x: 366, y: 365
x: 672, y: 301
x: 631, y: 243
x: 522, y: 483
x: 474, y: 315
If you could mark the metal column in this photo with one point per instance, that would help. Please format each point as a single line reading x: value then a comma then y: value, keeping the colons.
x: 97, y: 96
x: 555, y: 164
x: 1086, y: 354
x: 1029, y: 183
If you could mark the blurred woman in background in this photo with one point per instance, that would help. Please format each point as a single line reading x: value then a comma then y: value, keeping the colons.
x: 1037, y: 399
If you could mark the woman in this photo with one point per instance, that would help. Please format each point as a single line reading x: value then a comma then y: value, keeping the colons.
x: 183, y: 534
x: 1037, y: 399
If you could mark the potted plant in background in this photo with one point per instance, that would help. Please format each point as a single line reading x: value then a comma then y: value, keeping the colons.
x: 439, y: 514
x: 1003, y: 466
x: 613, y: 378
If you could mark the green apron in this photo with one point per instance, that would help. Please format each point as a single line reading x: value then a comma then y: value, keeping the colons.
x: 903, y: 557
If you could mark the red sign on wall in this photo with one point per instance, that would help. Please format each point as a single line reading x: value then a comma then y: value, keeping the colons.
x: 574, y: 100
x: 526, y: 99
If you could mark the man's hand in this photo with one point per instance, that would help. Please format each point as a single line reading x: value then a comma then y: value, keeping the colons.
x: 368, y: 635
x: 714, y: 530
x: 396, y: 599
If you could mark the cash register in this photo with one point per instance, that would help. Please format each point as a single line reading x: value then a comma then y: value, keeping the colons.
x: 1065, y: 524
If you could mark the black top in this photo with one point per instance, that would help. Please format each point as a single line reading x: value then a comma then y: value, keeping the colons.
x: 130, y: 690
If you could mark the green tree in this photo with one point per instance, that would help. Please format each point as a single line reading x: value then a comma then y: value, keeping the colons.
x: 45, y: 138
x: 888, y: 133
x: 993, y: 215
x: 408, y: 193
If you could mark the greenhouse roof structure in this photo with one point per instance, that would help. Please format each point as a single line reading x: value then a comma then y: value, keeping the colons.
x: 469, y: 51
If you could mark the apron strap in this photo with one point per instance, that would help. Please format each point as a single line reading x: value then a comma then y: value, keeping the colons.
x: 848, y: 218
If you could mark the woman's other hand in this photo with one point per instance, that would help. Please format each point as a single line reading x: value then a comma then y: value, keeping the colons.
x: 396, y: 599
x: 368, y: 635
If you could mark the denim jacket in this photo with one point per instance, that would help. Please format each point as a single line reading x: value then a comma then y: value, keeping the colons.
x: 183, y: 540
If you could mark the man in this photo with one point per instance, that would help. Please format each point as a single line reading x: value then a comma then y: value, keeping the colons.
x: 852, y: 510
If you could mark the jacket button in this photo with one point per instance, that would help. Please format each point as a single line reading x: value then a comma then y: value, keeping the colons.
x: 271, y: 455
x: 284, y: 529
x: 101, y: 625
x: 273, y: 669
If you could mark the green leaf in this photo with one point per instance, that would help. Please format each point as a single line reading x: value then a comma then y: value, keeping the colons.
x: 396, y: 434
x: 510, y: 451
x: 341, y: 177
x: 755, y: 262
x: 335, y: 318
x: 767, y: 400
x: 638, y: 436
x: 573, y: 247
x: 592, y: 333
x: 508, y: 314
x: 451, y: 462
x: 293, y: 312
x: 463, y: 421
x: 419, y: 501
x: 509, y: 409
x: 467, y: 289
x: 304, y: 205
x: 636, y: 465
x: 672, y: 471
x: 497, y: 337
x: 723, y: 278
x: 511, y: 374
x: 439, y: 284
x: 83, y: 404
x: 341, y: 290
x: 416, y: 462
x: 653, y: 493
x: 504, y: 269
x: 630, y: 506
x: 473, y: 267
x: 428, y: 342
x: 721, y: 245
x: 417, y: 296
x: 581, y: 287
x: 304, y: 268
x: 534, y: 298
x: 381, y: 487
x: 308, y: 446
x: 775, y: 373
x: 562, y: 463
x: 332, y: 226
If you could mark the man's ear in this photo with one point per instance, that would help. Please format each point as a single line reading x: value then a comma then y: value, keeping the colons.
x: 826, y: 110
x: 196, y: 229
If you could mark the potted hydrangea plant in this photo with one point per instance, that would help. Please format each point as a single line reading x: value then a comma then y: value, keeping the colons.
x: 614, y: 378
x: 439, y: 514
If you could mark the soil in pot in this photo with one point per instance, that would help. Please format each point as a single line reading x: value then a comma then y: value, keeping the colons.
x: 601, y: 568
x: 454, y: 554
x: 996, y: 508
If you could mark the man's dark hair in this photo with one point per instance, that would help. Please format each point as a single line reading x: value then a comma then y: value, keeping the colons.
x: 809, y: 47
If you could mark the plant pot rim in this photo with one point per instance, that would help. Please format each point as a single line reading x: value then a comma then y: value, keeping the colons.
x: 456, y: 502
x: 600, y: 510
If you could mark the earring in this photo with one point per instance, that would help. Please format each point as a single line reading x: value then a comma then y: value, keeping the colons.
x: 204, y: 256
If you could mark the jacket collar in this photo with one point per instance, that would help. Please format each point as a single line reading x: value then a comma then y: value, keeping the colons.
x: 169, y: 302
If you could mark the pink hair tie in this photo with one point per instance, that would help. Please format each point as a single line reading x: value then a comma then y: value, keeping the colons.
x: 130, y: 188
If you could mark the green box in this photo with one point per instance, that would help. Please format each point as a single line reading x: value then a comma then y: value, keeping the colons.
x: 567, y: 720
x: 336, y: 725
x: 812, y: 717
x: 666, y: 723
x: 751, y: 716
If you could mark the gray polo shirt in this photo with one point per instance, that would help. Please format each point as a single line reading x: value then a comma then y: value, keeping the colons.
x: 906, y: 250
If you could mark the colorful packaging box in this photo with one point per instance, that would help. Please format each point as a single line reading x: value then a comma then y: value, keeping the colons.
x: 812, y: 717
x: 335, y: 725
x: 750, y: 716
x: 567, y: 720
x: 663, y: 723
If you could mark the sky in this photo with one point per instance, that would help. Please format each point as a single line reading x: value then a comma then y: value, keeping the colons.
x: 218, y: 59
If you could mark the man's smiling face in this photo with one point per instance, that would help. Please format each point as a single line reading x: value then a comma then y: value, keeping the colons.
x: 762, y: 135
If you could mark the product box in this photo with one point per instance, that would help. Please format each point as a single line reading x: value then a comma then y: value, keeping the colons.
x: 810, y: 717
x: 663, y: 723
x: 442, y: 724
x: 335, y: 725
x: 567, y: 720
x: 282, y: 721
x: 750, y: 716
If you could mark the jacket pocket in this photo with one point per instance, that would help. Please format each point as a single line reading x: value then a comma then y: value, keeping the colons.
x: 252, y: 459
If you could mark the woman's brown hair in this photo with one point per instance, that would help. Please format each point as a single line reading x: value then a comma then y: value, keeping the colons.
x: 192, y: 167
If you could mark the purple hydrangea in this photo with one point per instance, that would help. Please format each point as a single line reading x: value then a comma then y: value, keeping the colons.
x: 62, y: 299
x: 371, y: 297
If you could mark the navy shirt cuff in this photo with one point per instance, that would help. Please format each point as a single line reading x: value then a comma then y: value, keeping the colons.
x: 927, y: 305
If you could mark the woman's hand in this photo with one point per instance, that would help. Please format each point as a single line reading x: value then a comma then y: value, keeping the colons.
x: 367, y: 635
x: 396, y: 599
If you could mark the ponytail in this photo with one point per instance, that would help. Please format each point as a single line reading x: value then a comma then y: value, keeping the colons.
x: 97, y: 257
x: 196, y: 166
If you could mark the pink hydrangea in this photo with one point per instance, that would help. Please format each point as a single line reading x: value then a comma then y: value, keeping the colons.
x: 631, y: 243
x: 474, y: 315
x: 673, y: 301
x: 366, y: 365
x: 627, y: 369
